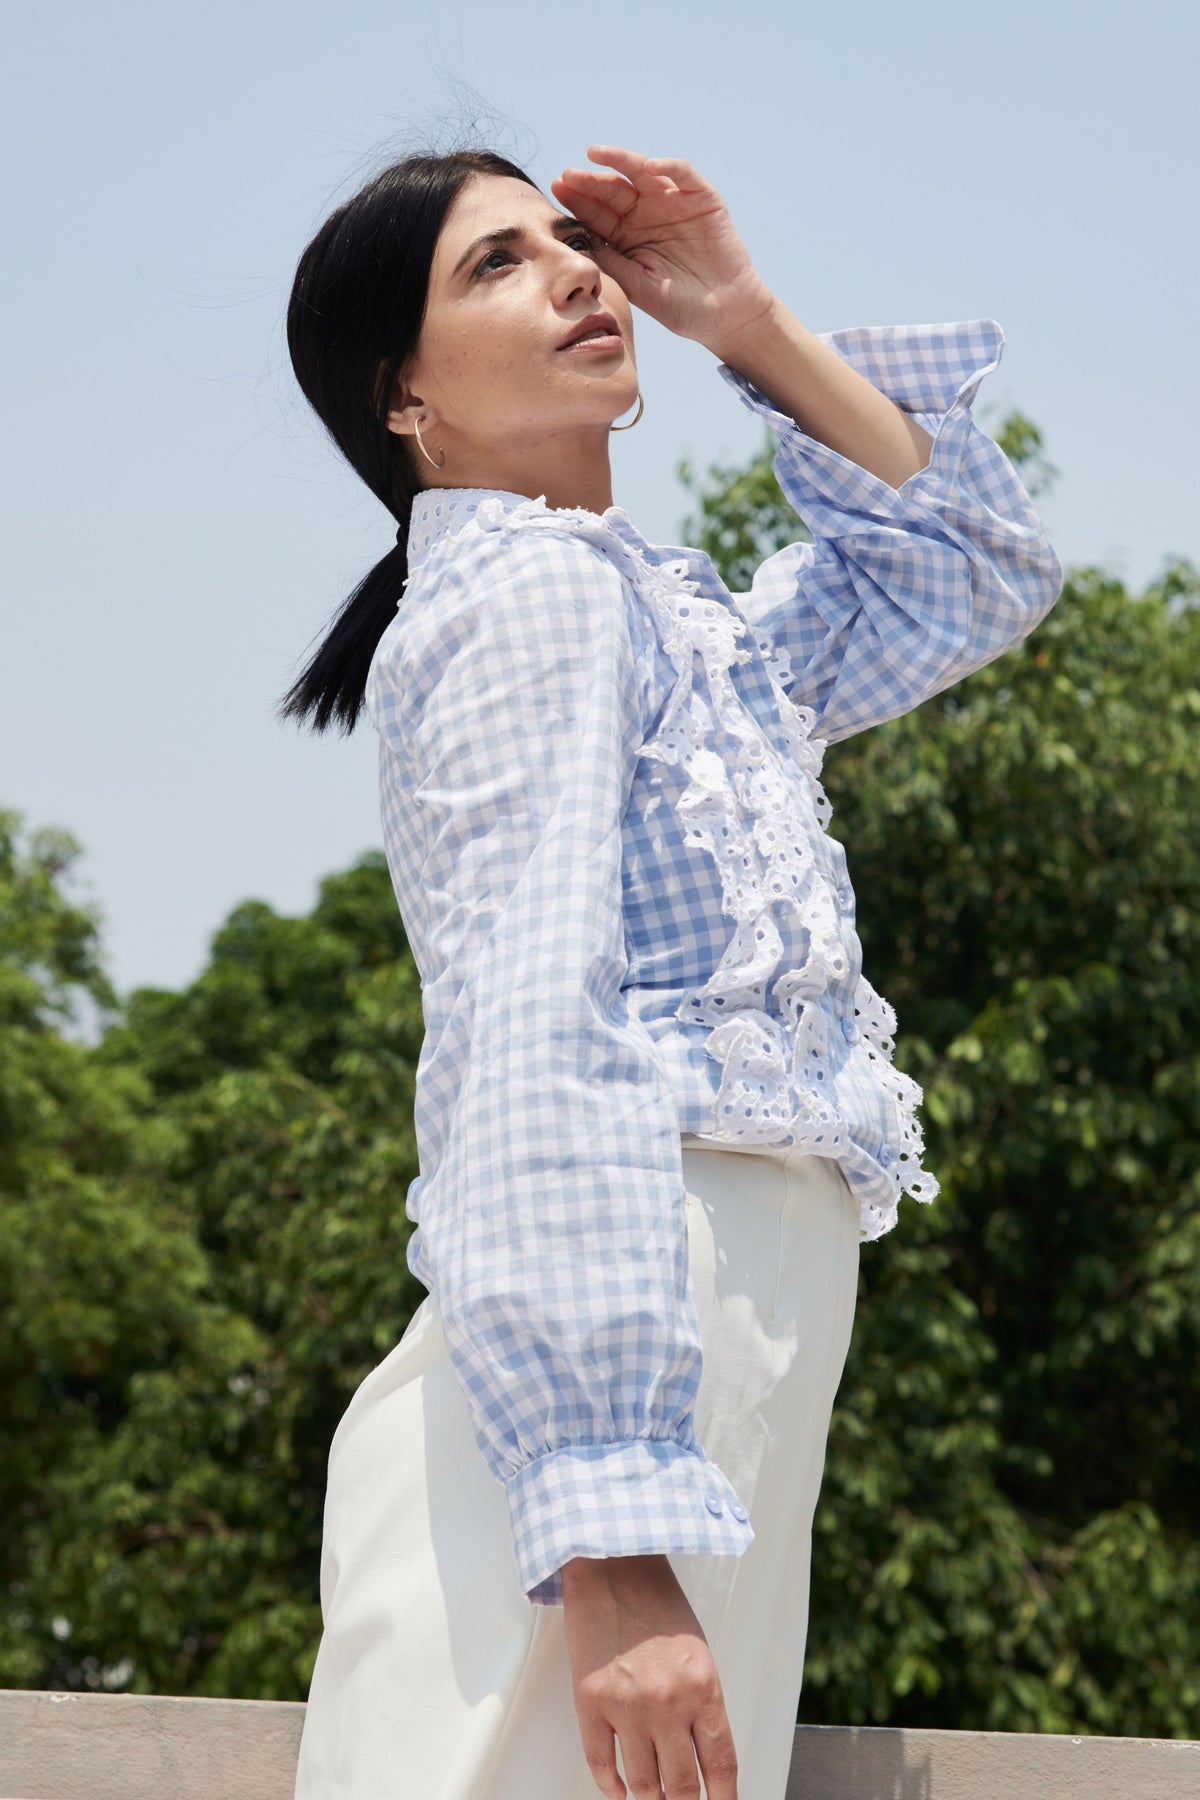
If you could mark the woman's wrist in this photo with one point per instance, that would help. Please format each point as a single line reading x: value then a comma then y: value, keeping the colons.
x: 589, y: 1572
x: 751, y: 338
x: 809, y: 383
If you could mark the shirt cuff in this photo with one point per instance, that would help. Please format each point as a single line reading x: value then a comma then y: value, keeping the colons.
x: 637, y: 1497
x: 932, y: 371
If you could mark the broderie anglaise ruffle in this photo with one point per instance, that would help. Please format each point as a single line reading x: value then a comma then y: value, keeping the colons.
x: 759, y: 816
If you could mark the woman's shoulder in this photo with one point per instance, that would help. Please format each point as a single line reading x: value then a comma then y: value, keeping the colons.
x: 498, y: 527
x: 514, y: 551
x: 506, y: 568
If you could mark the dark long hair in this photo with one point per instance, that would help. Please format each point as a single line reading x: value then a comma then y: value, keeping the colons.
x: 353, y: 320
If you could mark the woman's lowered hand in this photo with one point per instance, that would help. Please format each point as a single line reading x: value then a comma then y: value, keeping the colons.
x: 643, y: 1676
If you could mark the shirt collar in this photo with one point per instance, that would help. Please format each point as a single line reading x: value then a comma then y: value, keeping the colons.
x: 438, y: 511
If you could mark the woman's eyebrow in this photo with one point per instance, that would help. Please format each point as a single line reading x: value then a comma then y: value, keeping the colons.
x: 508, y: 234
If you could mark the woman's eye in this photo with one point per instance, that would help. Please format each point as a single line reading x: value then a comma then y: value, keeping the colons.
x: 586, y: 238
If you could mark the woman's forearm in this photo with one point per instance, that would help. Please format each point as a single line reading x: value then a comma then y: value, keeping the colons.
x: 809, y: 382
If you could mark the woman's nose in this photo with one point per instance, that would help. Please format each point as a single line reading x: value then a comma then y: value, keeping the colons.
x: 581, y: 274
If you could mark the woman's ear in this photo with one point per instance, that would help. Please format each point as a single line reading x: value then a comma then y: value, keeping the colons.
x: 405, y: 409
x: 402, y: 417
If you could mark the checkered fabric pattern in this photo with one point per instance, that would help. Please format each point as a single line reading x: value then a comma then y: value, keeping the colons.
x: 558, y: 916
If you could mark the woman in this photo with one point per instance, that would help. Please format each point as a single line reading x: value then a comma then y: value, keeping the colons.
x: 567, y: 1530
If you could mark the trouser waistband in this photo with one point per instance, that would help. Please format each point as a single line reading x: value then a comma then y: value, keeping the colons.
x: 692, y: 1140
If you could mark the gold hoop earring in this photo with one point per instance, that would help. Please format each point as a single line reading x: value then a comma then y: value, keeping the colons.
x: 421, y: 441
x: 637, y: 415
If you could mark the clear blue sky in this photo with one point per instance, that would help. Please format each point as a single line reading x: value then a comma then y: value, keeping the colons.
x: 177, y: 531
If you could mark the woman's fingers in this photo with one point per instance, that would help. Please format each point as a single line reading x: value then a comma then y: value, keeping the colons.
x: 613, y: 190
x: 669, y: 170
x: 596, y: 205
x: 680, y: 172
x: 642, y: 1776
x: 640, y: 198
x: 715, y: 1752
x: 637, y: 179
x: 666, y: 1768
x: 600, y: 1753
x: 677, y: 1766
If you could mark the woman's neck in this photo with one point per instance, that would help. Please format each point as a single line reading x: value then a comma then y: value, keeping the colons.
x: 571, y: 470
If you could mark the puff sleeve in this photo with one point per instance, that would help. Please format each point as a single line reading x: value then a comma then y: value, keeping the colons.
x: 550, y: 1210
x: 902, y: 591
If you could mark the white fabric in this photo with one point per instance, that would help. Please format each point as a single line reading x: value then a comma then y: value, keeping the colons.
x: 435, y: 1677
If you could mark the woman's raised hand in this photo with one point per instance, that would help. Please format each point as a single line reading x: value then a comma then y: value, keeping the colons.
x: 668, y: 241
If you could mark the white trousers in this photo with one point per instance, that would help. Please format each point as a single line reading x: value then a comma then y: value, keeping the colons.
x: 435, y: 1678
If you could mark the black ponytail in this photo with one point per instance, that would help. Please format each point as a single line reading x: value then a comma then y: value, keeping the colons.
x: 353, y: 321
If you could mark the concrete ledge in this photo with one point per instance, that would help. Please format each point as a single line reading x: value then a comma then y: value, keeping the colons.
x: 146, y: 1747
x: 153, y: 1747
x: 835, y: 1762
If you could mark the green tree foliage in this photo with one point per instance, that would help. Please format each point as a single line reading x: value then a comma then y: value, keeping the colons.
x: 202, y: 1234
x: 203, y: 1254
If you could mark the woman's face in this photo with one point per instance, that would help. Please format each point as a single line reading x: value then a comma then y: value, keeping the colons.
x: 489, y: 378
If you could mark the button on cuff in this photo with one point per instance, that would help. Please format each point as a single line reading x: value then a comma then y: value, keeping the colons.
x: 628, y: 1497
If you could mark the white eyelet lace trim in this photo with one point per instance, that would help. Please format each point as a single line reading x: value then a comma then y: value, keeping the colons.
x: 762, y: 816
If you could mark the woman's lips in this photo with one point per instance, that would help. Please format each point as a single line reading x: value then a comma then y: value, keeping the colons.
x: 604, y: 342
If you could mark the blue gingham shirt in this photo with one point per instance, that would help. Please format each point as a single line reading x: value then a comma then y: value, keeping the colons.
x: 604, y: 821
